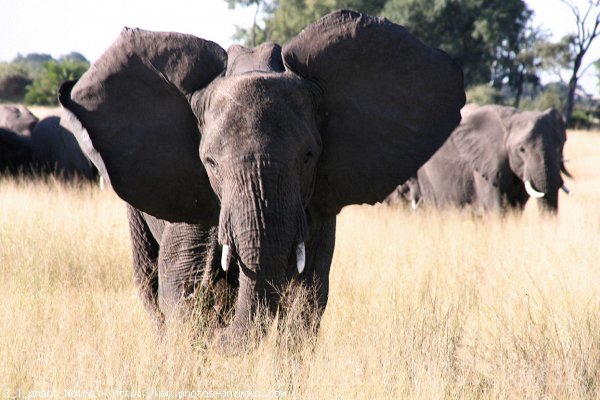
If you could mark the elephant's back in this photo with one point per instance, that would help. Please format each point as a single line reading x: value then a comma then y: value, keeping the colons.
x: 56, y: 149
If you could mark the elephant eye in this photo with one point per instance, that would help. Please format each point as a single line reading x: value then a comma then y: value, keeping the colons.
x: 211, y: 163
x: 522, y: 149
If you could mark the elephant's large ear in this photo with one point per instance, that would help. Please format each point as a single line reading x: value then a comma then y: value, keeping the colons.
x: 130, y: 113
x: 481, y: 139
x: 389, y: 102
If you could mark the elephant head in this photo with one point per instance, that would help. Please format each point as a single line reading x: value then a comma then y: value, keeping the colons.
x: 264, y: 142
x: 520, y: 152
x: 17, y: 118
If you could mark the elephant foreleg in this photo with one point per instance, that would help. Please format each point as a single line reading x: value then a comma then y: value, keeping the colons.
x: 319, y: 255
x: 187, y: 251
x: 489, y: 198
x: 145, y: 251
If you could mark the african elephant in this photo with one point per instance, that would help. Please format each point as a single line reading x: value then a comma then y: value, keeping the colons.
x: 28, y: 145
x: 244, y: 158
x: 496, y: 159
x: 54, y: 150
x: 16, y: 125
x: 15, y: 153
x: 17, y: 118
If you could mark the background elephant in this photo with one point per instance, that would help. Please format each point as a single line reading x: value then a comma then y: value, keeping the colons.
x: 497, y: 158
x: 15, y: 153
x: 250, y: 154
x: 17, y: 118
x: 54, y: 150
x: 16, y: 125
x: 41, y: 147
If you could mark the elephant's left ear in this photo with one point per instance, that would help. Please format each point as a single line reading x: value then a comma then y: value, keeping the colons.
x: 389, y: 102
x: 131, y: 115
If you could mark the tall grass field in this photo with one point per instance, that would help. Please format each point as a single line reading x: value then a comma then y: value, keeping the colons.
x: 423, y: 305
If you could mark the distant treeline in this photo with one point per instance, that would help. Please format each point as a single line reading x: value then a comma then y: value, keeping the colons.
x: 34, y: 78
x: 502, y: 53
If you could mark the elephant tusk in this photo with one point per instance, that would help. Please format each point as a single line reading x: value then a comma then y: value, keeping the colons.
x: 414, y: 204
x: 300, y: 257
x: 225, y: 258
x: 531, y: 191
x: 566, y: 190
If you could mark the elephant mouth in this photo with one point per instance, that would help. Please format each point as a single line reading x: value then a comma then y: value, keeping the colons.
x: 300, y: 255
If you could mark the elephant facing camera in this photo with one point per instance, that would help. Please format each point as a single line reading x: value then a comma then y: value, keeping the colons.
x: 239, y: 161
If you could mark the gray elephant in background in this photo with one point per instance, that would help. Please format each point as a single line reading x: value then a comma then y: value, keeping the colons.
x: 55, y: 151
x: 241, y: 160
x: 37, y: 148
x: 17, y: 118
x: 16, y: 125
x: 496, y: 159
x: 15, y: 153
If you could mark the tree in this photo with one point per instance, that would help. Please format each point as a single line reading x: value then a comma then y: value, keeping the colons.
x: 574, y: 47
x: 44, y: 89
x: 74, y: 56
x: 255, y: 35
x: 31, y: 64
x: 13, y: 87
x: 291, y: 16
x: 519, y: 65
x: 597, y: 66
x: 284, y: 19
x: 473, y: 32
x: 484, y: 94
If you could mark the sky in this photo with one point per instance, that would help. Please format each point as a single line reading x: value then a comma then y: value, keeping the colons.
x: 58, y: 27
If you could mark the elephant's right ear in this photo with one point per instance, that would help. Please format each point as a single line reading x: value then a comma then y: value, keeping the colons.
x: 130, y: 113
x: 388, y: 103
x: 481, y: 139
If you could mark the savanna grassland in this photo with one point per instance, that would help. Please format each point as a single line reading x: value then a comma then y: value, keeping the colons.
x: 422, y: 305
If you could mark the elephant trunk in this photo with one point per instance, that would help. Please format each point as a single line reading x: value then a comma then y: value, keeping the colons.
x: 263, y: 224
x: 543, y: 182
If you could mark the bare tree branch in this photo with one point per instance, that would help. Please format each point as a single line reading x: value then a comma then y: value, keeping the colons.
x: 581, y: 42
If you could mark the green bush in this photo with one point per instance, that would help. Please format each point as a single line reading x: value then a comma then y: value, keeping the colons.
x: 484, y: 94
x: 550, y: 97
x: 44, y: 89
x: 13, y: 87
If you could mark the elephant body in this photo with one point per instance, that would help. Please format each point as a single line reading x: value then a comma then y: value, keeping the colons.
x: 240, y: 160
x: 16, y: 125
x: 33, y: 147
x: 496, y: 159
x: 54, y: 150
x: 15, y: 152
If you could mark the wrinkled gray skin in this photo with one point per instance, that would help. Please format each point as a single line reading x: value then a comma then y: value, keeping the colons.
x: 54, y: 150
x: 257, y: 149
x: 487, y: 160
x: 17, y: 118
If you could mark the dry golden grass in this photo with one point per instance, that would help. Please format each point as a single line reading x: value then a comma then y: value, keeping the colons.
x: 422, y: 304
